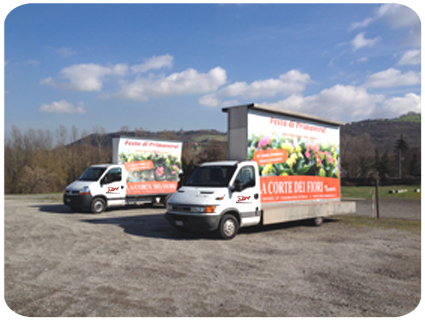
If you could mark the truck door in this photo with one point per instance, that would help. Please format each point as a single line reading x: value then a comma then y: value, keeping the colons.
x: 246, y: 195
x: 113, y: 184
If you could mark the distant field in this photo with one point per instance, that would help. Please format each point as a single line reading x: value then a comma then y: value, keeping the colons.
x: 384, y: 192
x: 398, y: 224
x: 409, y: 118
x: 209, y: 137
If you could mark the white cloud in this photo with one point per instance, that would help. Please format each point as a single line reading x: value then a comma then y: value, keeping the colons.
x: 86, y: 77
x: 339, y: 102
x: 396, y: 16
x: 189, y: 81
x: 360, y: 41
x: 361, y: 24
x: 396, y: 106
x: 62, y: 106
x: 3, y: 63
x: 165, y: 61
x: 399, y: 16
x: 393, y: 78
x: 291, y: 82
x: 33, y: 62
x: 65, y: 52
x: 411, y: 57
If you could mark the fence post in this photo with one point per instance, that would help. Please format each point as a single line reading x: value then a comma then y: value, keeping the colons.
x: 377, y: 197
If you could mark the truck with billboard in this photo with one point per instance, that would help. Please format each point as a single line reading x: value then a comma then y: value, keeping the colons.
x: 143, y: 172
x: 283, y: 166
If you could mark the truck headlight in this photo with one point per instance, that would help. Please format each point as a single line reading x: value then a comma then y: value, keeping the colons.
x: 84, y: 190
x: 207, y: 209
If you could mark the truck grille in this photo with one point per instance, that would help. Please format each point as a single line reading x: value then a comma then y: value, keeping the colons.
x: 181, y: 208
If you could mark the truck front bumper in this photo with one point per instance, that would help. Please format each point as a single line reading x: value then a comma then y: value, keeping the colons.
x: 78, y: 202
x: 200, y: 222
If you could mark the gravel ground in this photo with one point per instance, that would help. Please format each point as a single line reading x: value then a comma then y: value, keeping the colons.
x: 130, y: 262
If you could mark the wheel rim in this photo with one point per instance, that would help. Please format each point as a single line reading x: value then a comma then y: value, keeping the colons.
x: 228, y: 227
x: 98, y: 206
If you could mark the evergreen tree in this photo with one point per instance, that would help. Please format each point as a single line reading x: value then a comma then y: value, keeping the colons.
x: 414, y: 167
x: 385, y: 166
x: 401, y: 147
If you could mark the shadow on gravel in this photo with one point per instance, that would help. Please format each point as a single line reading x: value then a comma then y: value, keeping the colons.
x: 156, y: 226
x: 151, y: 226
x: 54, y: 208
x: 63, y: 209
x: 283, y: 226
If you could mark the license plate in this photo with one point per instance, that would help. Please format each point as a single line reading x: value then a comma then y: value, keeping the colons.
x: 179, y: 223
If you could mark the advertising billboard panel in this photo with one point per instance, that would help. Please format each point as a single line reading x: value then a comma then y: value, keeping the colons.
x: 152, y: 166
x: 298, y: 158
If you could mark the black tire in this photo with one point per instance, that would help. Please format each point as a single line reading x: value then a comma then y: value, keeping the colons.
x: 98, y: 205
x: 317, y: 222
x: 229, y: 227
x: 165, y: 200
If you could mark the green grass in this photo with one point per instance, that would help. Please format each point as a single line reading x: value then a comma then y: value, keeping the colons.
x: 209, y: 137
x: 366, y: 192
x: 398, y: 224
x: 409, y: 118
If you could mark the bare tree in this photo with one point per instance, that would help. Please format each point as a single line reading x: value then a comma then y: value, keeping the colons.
x: 357, y: 156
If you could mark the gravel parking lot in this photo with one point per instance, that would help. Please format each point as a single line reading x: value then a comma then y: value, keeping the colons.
x: 131, y: 262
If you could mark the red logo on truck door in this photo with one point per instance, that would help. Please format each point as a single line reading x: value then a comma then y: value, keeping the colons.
x: 113, y: 190
x: 243, y: 199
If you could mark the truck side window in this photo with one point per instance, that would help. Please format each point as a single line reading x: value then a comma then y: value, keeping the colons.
x: 247, y: 176
x: 114, y: 175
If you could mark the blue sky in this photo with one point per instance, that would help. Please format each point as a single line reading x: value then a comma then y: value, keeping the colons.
x: 174, y: 66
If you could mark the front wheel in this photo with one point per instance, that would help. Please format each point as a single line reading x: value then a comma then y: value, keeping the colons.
x: 98, y: 205
x: 229, y: 227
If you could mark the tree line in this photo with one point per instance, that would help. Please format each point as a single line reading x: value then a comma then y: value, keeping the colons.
x: 42, y: 161
x: 361, y: 159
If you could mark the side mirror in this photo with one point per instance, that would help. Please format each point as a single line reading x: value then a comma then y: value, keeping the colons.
x: 104, y: 180
x: 237, y: 186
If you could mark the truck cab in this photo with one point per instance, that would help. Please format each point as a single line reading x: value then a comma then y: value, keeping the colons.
x: 221, y: 196
x: 99, y: 187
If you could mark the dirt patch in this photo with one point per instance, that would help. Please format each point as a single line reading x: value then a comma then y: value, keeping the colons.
x: 132, y: 263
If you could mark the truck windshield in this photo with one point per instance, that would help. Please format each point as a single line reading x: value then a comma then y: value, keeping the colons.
x: 211, y: 176
x: 92, y: 174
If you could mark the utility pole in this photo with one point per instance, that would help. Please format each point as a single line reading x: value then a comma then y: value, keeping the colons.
x: 377, y: 197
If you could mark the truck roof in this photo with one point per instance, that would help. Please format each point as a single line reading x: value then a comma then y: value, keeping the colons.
x: 258, y: 107
x: 103, y: 165
x: 221, y: 163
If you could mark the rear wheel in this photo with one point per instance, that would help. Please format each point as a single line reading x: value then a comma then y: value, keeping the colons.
x: 165, y: 199
x: 318, y: 221
x: 98, y: 205
x: 229, y: 227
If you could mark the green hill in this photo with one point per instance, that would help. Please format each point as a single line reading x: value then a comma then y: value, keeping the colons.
x: 410, y: 117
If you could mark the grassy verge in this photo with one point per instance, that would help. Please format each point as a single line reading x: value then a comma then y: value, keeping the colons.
x: 48, y: 197
x: 361, y: 222
x: 384, y: 192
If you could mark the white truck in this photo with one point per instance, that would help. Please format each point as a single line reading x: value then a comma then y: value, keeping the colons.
x: 143, y: 172
x: 284, y: 166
